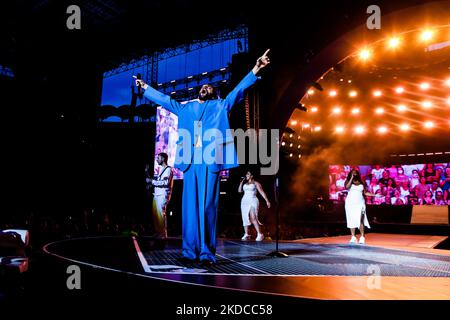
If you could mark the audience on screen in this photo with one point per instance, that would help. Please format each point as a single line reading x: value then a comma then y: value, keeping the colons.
x: 429, y: 173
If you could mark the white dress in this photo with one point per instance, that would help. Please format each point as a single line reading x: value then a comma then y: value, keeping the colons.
x: 249, y: 200
x: 355, y: 205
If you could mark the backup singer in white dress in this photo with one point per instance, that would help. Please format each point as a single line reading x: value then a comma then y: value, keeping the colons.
x: 355, y: 205
x: 250, y: 205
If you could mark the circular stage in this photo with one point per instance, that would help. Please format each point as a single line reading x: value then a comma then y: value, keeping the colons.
x: 311, y: 270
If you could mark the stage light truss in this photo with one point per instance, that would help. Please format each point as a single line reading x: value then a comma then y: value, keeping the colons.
x: 238, y: 33
x: 194, y: 80
x: 188, y: 93
x: 440, y: 153
x: 100, y: 10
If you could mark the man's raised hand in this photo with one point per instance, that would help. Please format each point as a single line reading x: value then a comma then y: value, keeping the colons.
x: 140, y: 83
x: 264, y: 60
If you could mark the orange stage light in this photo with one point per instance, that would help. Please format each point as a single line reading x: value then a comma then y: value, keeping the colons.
x: 337, y: 110
x: 356, y: 111
x: 393, y: 42
x: 427, y: 104
x: 428, y: 124
x: 424, y: 86
x: 404, y: 127
x: 365, y: 54
x: 426, y: 35
x: 359, y: 129
x: 399, y: 90
x: 401, y: 108
x: 379, y: 110
x: 339, y: 129
x: 377, y: 93
x: 382, y: 130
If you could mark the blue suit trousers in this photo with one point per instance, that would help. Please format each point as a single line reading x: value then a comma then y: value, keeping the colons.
x: 199, y: 217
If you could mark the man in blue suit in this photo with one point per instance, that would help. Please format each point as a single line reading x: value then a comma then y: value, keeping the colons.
x: 201, y: 157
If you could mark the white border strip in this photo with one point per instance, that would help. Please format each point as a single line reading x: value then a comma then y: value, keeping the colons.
x: 141, y: 256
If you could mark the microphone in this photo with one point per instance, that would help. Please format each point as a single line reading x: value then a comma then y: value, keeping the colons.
x: 242, y: 178
x: 139, y: 77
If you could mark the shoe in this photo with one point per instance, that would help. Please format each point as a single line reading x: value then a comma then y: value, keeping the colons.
x: 206, y: 263
x: 362, y: 240
x: 260, y: 237
x: 353, y: 240
x: 246, y: 237
x: 186, y: 260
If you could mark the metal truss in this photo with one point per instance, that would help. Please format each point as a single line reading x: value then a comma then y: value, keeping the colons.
x: 229, y: 34
x: 189, y: 92
x: 194, y: 80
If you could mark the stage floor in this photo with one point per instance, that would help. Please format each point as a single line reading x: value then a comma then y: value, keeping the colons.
x: 388, y: 267
x: 419, y: 243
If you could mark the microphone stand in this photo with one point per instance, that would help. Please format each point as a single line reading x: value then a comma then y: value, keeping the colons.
x: 277, y: 253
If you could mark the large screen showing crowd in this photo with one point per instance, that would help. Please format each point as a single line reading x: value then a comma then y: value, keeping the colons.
x: 412, y: 184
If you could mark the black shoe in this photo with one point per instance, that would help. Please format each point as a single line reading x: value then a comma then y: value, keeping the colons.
x: 206, y: 263
x: 186, y: 260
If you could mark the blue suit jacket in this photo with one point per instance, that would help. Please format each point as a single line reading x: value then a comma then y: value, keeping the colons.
x: 213, y: 115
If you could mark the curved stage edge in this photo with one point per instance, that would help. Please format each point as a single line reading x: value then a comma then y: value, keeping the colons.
x: 390, y: 267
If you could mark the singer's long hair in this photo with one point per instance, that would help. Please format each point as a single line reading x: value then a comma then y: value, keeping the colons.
x: 356, y: 178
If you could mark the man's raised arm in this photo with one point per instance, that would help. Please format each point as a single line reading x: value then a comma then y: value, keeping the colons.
x: 159, y: 98
x: 237, y: 94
